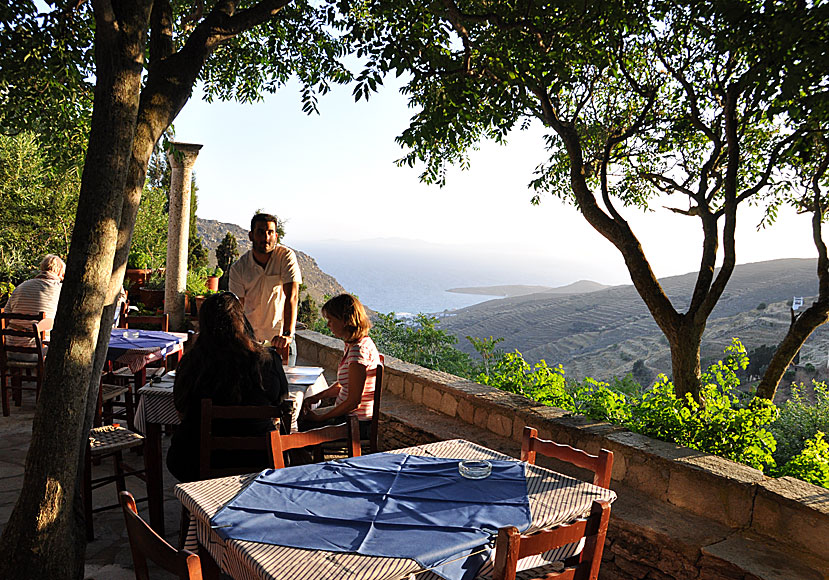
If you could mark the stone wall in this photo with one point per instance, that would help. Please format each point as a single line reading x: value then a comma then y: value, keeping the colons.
x: 681, y: 514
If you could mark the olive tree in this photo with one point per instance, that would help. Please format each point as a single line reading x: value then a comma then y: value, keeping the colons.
x: 144, y: 56
x: 659, y: 106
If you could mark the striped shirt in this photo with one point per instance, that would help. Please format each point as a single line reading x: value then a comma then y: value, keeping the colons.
x: 362, y: 352
x: 40, y: 294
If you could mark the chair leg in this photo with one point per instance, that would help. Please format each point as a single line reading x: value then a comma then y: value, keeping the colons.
x: 87, y: 496
x: 4, y: 392
x: 17, y: 390
x: 120, y: 480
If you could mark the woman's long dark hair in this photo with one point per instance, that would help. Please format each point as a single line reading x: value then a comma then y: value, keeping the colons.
x: 226, y: 355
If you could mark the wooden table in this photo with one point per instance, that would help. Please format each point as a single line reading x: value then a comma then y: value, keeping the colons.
x: 553, y: 499
x: 157, y: 409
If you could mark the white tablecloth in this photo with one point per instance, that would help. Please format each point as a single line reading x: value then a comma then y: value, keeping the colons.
x: 156, y: 404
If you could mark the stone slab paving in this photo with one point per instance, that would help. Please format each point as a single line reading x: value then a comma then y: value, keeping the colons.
x: 108, y: 556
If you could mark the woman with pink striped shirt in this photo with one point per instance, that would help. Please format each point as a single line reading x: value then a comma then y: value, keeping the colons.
x: 356, y: 373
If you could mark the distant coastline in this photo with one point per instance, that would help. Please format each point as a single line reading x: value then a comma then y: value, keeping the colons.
x: 503, y: 291
x: 511, y: 290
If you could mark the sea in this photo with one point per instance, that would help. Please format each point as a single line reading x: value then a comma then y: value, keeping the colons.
x: 408, y: 278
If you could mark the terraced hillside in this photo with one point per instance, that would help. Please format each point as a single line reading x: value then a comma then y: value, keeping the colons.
x: 601, y: 334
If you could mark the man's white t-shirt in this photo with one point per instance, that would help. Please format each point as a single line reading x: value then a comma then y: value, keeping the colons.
x: 261, y: 288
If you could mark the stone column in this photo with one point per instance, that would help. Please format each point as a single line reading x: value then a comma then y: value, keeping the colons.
x: 182, y: 157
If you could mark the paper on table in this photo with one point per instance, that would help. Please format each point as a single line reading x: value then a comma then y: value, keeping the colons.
x: 304, y: 371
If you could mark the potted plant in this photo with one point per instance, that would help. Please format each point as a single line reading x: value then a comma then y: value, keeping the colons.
x: 213, y: 279
x: 152, y: 292
x: 139, y: 264
x: 196, y: 288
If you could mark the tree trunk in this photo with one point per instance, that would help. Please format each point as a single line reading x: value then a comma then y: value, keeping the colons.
x: 818, y: 313
x: 43, y: 538
x: 685, y: 359
x: 799, y: 330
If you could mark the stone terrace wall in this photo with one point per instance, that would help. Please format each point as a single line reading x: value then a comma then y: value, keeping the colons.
x: 681, y: 514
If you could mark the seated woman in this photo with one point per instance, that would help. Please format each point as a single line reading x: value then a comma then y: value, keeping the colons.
x: 356, y: 373
x: 227, y: 365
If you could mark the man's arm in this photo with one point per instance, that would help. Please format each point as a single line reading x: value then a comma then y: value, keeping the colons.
x: 291, y: 290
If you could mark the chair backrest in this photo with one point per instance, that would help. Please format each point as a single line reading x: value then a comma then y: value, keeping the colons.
x: 349, y: 431
x: 284, y: 352
x: 162, y: 321
x: 148, y: 545
x: 601, y: 465
x: 32, y: 327
x: 211, y: 443
x: 511, y: 546
x: 375, y: 416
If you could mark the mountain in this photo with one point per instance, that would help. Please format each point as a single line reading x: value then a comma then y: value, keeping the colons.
x: 318, y: 283
x: 602, y: 334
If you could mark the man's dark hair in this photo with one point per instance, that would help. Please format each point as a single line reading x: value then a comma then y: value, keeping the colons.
x: 262, y: 217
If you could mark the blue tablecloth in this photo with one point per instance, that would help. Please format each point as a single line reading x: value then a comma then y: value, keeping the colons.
x: 148, y: 341
x: 382, y: 505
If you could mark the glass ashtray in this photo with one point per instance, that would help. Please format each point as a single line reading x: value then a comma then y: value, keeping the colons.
x: 474, y: 468
x: 130, y: 334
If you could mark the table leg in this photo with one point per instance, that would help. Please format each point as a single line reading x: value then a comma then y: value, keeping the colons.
x: 155, y: 476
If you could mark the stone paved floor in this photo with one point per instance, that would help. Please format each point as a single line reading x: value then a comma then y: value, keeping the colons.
x: 108, y: 556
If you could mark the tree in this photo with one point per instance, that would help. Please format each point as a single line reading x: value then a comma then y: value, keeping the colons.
x: 197, y: 256
x: 227, y: 252
x: 145, y: 57
x: 37, y: 206
x: 655, y: 103
x: 809, y: 159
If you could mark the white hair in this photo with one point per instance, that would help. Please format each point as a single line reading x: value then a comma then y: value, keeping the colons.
x: 52, y: 263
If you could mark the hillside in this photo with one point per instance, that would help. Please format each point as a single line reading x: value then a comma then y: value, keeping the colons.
x: 601, y: 334
x: 318, y: 282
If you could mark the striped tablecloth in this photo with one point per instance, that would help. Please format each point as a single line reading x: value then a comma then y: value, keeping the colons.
x: 554, y: 499
x: 156, y: 404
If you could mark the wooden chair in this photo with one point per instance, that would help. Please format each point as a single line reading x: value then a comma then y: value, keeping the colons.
x: 145, y: 545
x: 601, y: 465
x: 109, y: 399
x: 284, y: 353
x: 511, y: 546
x: 108, y: 441
x: 161, y: 321
x: 13, y: 373
x: 349, y: 431
x: 375, y: 416
x: 374, y: 428
x: 211, y: 443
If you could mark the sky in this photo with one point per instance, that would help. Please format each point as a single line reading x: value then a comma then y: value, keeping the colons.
x: 332, y: 177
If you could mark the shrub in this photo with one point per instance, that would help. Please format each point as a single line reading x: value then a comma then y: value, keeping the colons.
x: 811, y: 464
x: 762, y: 306
x: 800, y: 420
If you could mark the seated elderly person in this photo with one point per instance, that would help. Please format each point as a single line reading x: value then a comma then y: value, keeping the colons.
x: 40, y: 294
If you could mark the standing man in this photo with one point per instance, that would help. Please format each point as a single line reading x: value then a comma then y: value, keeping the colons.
x: 266, y: 280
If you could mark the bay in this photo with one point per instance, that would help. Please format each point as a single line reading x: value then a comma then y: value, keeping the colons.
x: 408, y: 277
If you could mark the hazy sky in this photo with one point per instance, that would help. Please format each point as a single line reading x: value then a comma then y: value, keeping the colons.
x: 332, y: 176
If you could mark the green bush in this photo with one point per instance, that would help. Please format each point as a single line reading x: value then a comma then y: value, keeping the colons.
x: 421, y: 343
x: 811, y: 464
x: 800, y: 420
x: 720, y: 423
